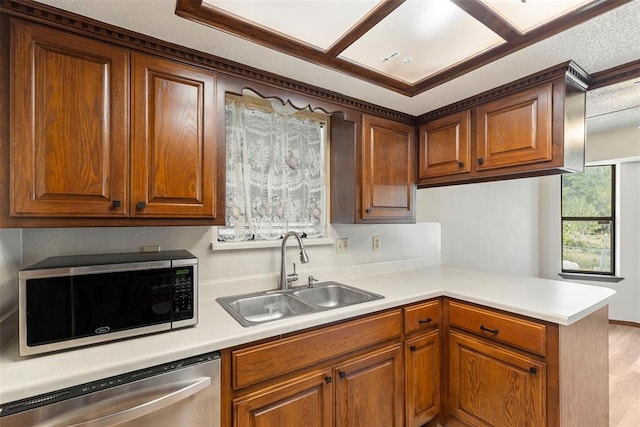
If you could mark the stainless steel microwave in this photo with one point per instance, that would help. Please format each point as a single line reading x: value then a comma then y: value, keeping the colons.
x: 72, y: 301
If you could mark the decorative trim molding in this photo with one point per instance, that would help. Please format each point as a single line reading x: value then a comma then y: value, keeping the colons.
x: 568, y: 69
x: 48, y: 15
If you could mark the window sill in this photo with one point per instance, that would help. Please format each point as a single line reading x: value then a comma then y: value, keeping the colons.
x: 266, y: 244
x: 591, y: 277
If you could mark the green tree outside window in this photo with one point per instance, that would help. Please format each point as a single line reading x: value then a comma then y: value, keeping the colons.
x: 588, y: 216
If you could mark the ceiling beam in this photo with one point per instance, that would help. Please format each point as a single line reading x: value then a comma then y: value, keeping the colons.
x: 377, y: 14
x: 489, y: 18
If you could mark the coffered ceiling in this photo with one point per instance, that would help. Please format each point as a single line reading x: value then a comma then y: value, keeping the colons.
x: 407, y: 46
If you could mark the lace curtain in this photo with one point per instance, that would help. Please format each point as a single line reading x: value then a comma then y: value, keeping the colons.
x: 275, y: 174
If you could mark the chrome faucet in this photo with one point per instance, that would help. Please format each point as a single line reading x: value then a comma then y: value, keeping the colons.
x: 284, y: 277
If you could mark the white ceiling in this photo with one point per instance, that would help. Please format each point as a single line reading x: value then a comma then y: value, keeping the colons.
x: 604, y: 42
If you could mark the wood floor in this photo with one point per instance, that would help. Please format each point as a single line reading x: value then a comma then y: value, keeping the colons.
x: 624, y: 376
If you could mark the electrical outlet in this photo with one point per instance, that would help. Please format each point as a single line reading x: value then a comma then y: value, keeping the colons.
x: 150, y: 248
x: 376, y: 243
x: 342, y: 245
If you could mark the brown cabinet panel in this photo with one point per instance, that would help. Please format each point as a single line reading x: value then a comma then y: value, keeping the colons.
x: 69, y: 125
x: 421, y: 317
x: 493, y: 386
x: 388, y: 170
x: 173, y: 140
x: 422, y: 357
x: 369, y: 390
x: 516, y: 129
x: 261, y: 362
x: 445, y: 146
x: 507, y: 329
x: 306, y: 400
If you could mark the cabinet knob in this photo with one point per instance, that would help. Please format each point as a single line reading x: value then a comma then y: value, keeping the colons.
x: 368, y: 211
x: 115, y: 204
x: 480, y: 160
x: 533, y: 370
x: 460, y: 165
x: 424, y: 321
x: 412, y: 348
x: 342, y: 374
x: 328, y: 379
x: 141, y: 205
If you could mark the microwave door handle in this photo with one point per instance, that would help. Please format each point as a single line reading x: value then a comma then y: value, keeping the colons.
x: 141, y: 409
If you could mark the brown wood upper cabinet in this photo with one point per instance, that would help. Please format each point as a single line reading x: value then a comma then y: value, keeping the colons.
x: 172, y: 139
x: 99, y: 132
x: 539, y: 130
x: 373, y: 177
x: 445, y: 146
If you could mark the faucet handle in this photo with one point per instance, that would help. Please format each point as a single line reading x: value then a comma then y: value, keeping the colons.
x: 311, y: 281
x: 293, y: 276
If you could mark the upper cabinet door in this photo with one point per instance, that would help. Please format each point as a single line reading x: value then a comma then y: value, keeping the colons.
x: 68, y: 125
x: 445, y: 146
x: 388, y: 170
x: 516, y: 129
x: 173, y: 140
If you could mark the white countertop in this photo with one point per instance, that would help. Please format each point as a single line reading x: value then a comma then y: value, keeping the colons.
x: 555, y: 301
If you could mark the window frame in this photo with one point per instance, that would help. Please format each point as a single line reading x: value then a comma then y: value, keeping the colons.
x: 611, y: 219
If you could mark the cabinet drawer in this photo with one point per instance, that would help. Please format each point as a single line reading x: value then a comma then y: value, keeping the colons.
x: 422, y: 316
x: 510, y: 330
x: 254, y: 364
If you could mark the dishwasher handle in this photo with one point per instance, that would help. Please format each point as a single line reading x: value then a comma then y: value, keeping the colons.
x: 142, y: 409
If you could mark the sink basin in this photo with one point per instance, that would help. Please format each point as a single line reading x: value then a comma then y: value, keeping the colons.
x: 262, y: 307
x: 333, y: 294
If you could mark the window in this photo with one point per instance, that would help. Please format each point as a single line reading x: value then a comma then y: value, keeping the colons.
x: 588, y: 221
x: 275, y: 170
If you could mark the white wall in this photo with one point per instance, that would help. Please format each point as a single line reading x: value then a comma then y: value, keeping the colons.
x: 623, y: 148
x: 488, y: 226
x: 10, y: 263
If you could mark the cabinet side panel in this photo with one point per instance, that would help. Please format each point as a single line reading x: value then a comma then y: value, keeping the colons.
x: 584, y: 371
x: 343, y: 170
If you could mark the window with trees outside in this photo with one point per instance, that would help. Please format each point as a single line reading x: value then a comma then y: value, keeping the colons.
x: 588, y: 221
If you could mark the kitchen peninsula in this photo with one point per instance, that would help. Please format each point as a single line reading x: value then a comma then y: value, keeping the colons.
x: 573, y: 319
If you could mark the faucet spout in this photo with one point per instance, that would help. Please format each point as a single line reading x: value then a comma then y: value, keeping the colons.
x: 304, y: 258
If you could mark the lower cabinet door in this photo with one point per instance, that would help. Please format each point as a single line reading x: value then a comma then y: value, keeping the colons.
x: 422, y: 376
x: 493, y: 386
x: 369, y: 390
x: 303, y: 401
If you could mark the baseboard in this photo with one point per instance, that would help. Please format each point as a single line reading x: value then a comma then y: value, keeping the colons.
x: 624, y: 323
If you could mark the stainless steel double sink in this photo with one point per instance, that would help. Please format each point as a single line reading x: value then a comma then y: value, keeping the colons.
x: 261, y: 307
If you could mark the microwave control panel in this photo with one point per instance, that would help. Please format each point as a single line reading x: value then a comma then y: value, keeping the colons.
x: 183, y: 293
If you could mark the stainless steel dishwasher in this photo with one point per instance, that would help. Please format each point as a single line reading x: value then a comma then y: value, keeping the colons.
x: 181, y: 393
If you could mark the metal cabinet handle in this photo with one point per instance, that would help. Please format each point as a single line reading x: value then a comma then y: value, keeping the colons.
x: 328, y: 379
x: 368, y: 211
x: 412, y: 348
x: 342, y: 374
x: 480, y: 160
x: 424, y: 321
x: 141, y: 205
x: 460, y: 165
x: 153, y: 405
x: 533, y: 370
x: 491, y: 331
x: 115, y: 204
